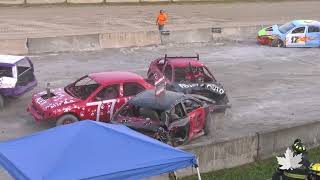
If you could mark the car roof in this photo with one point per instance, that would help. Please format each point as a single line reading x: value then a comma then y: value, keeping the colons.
x: 306, y: 22
x: 162, y: 102
x: 105, y: 78
x: 10, y: 60
x: 184, y: 62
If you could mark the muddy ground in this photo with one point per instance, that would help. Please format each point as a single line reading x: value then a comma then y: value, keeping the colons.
x: 268, y: 87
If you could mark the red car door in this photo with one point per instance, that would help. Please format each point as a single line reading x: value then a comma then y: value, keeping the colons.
x: 196, y: 115
x: 105, y: 103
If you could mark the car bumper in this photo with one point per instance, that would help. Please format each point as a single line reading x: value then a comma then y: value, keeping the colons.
x: 264, y: 40
x: 35, y: 114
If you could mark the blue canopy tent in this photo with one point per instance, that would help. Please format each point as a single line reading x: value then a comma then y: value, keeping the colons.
x: 90, y: 150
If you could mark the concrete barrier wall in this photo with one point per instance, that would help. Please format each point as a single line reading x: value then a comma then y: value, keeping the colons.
x: 154, y: 1
x: 240, y: 33
x: 230, y: 153
x: 129, y: 39
x: 215, y: 156
x: 188, y: 36
x: 45, y: 1
x: 122, y: 1
x: 271, y: 143
x: 11, y: 2
x: 84, y: 1
x: 126, y: 39
x: 13, y: 46
x: 66, y: 43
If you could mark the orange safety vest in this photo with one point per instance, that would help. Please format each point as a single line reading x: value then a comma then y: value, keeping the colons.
x: 162, y: 19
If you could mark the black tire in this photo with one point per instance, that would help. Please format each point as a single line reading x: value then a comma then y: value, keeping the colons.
x: 208, y: 125
x: 66, y: 119
x: 277, y: 43
x: 1, y: 102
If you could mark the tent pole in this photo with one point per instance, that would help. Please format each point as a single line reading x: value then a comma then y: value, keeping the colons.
x: 197, y: 168
x: 198, y: 172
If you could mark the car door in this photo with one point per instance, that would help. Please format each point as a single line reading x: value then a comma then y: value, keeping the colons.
x: 313, y: 36
x: 25, y: 76
x: 196, y: 114
x: 104, y: 103
x: 296, y: 37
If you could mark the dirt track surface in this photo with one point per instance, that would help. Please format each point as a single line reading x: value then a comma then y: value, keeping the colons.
x: 268, y: 87
x: 17, y: 22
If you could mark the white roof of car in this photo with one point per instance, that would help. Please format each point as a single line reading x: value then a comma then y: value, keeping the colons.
x: 9, y: 59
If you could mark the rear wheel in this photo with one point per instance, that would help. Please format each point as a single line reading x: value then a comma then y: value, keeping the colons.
x: 277, y: 43
x: 1, y: 102
x: 66, y: 119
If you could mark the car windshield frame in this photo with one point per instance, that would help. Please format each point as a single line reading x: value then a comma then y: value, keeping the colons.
x: 72, y: 91
x: 285, y: 28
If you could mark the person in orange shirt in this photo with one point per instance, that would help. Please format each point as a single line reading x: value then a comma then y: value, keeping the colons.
x: 161, y: 20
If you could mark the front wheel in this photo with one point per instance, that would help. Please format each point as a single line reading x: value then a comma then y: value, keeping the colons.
x: 66, y: 119
x: 1, y: 102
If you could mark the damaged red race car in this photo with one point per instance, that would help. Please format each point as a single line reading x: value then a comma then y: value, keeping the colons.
x: 95, y: 96
x: 170, y: 117
x: 189, y: 76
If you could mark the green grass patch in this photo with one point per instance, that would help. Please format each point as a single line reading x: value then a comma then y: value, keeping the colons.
x: 261, y: 170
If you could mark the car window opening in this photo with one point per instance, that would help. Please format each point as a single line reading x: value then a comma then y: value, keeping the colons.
x: 177, y: 112
x: 298, y: 30
x: 82, y: 88
x: 286, y: 27
x: 191, y: 105
x: 6, y: 72
x: 110, y: 92
x: 313, y: 29
x: 131, y: 89
x: 193, y: 74
x: 141, y: 112
x: 25, y: 73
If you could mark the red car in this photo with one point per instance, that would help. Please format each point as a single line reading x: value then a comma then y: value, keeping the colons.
x: 95, y: 96
x: 189, y: 76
